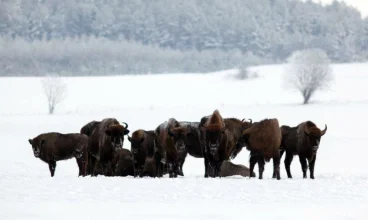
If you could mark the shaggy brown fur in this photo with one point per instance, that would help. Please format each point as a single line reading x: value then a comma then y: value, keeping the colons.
x: 302, y: 140
x: 215, y: 122
x: 106, y: 138
x: 52, y: 147
x: 87, y: 130
x: 142, y: 146
x: 263, y: 140
x: 122, y: 164
x: 230, y: 169
x: 150, y: 168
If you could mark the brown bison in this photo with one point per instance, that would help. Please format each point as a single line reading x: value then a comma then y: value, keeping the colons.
x: 123, y: 164
x: 302, y: 140
x: 142, y: 146
x: 87, y: 130
x: 170, y: 146
x: 52, y: 147
x: 192, y: 139
x: 150, y: 167
x: 219, y: 139
x: 263, y: 140
x: 106, y: 138
x: 230, y: 169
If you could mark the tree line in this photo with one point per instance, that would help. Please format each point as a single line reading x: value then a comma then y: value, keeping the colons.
x: 175, y: 32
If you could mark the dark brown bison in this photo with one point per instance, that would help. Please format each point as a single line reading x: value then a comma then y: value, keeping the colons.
x: 263, y: 140
x: 302, y: 140
x: 87, y: 130
x: 123, y: 164
x: 105, y: 139
x: 230, y: 169
x: 170, y: 146
x: 52, y: 147
x: 142, y: 146
x: 219, y: 139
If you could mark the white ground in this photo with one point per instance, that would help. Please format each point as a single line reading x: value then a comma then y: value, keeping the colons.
x: 338, y: 192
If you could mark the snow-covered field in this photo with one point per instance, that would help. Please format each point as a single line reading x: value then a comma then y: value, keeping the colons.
x: 339, y: 191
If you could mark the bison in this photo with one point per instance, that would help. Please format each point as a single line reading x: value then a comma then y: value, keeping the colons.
x: 150, y: 167
x: 123, y: 163
x: 230, y: 169
x: 302, y: 140
x: 142, y: 146
x: 105, y: 139
x: 53, y: 146
x: 170, y: 146
x: 219, y: 139
x: 87, y: 130
x: 263, y: 140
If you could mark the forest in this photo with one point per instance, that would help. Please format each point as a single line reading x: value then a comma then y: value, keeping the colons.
x: 113, y: 37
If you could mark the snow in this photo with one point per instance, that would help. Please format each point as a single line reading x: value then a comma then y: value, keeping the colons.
x: 339, y: 191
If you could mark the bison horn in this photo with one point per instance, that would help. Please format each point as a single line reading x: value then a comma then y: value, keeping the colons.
x: 324, y: 131
x: 126, y: 125
x: 129, y: 139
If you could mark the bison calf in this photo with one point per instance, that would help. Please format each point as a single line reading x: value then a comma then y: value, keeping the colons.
x: 52, y: 147
x: 123, y: 163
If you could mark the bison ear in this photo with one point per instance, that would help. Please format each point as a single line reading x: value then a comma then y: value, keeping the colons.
x: 129, y: 139
x: 30, y: 141
x: 42, y: 142
x: 108, y: 132
x: 126, y: 131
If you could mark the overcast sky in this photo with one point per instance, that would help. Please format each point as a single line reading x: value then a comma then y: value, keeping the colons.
x: 361, y: 5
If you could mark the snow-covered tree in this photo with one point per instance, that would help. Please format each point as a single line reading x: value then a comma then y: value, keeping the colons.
x: 309, y: 71
x: 55, y: 90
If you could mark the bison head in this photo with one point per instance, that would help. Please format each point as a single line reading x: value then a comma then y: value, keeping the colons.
x: 36, y: 146
x: 213, y: 130
x: 314, y: 135
x: 179, y: 136
x: 136, y: 140
x: 116, y: 133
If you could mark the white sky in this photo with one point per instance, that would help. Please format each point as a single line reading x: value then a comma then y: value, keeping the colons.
x: 361, y: 5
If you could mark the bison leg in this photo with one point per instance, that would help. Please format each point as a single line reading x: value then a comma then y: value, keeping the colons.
x: 261, y: 164
x: 80, y: 166
x: 252, y: 162
x: 135, y: 168
x: 311, y: 166
x: 206, y: 167
x: 276, y: 167
x: 287, y: 161
x: 303, y: 163
x: 52, y: 167
x: 92, y: 165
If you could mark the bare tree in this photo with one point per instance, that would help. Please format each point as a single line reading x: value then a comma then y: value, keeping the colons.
x: 55, y: 90
x: 309, y: 70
